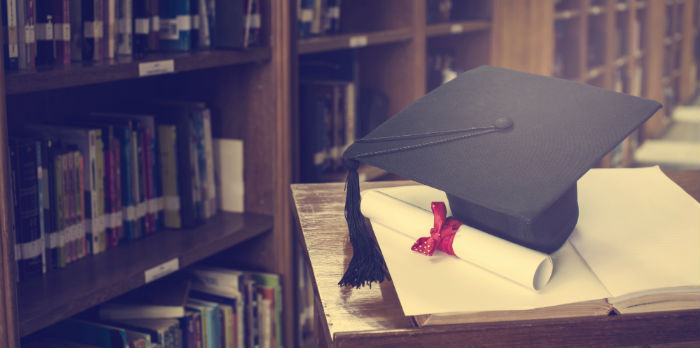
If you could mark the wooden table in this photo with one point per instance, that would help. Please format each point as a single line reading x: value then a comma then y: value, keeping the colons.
x: 372, y: 317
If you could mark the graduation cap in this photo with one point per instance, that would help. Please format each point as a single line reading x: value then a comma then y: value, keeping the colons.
x: 507, y: 147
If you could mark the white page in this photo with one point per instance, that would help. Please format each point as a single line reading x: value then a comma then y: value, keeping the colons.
x: 444, y: 284
x: 407, y: 210
x: 638, y: 230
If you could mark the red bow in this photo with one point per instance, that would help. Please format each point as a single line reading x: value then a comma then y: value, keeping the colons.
x: 441, y: 235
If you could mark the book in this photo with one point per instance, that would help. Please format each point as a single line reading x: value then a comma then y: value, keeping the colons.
x: 62, y: 31
x: 154, y: 33
x: 125, y: 38
x: 10, y: 35
x: 142, y: 28
x: 44, y: 32
x: 76, y: 30
x: 191, y: 325
x: 615, y: 215
x: 27, y: 225
x: 175, y: 25
x: 110, y: 31
x: 228, y: 168
x: 167, y: 150
x: 27, y: 39
x: 230, y: 30
x: 216, y: 323
x: 165, y: 332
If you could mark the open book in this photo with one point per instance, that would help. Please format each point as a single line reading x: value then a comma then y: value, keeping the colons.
x: 636, y: 248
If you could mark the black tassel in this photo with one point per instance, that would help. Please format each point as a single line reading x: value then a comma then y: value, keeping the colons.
x: 367, y: 264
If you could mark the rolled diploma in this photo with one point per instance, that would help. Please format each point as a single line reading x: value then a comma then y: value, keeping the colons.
x: 529, y: 268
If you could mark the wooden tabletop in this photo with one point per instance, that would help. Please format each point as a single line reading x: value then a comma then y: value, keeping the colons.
x: 372, y: 317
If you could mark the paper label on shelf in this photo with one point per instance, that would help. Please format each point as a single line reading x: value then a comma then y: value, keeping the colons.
x: 142, y: 26
x: 162, y: 270
x: 358, y: 41
x: 456, y: 28
x: 172, y: 203
x: 156, y: 68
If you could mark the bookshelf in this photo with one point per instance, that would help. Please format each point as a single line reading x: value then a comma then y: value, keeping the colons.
x: 387, y: 47
x: 247, y: 91
x: 638, y: 47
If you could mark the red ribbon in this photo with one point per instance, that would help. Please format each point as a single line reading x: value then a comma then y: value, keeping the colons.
x: 441, y: 235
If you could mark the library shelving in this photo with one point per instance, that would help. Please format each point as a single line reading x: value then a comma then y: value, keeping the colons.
x: 247, y: 93
x: 639, y: 47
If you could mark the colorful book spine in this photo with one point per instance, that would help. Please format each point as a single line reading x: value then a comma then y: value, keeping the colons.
x: 175, y: 25
x: 11, y: 47
x: 167, y: 137
x: 62, y: 31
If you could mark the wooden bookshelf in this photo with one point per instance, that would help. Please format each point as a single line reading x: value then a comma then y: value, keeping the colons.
x: 247, y: 92
x: 456, y: 28
x: 93, y: 280
x: 125, y: 68
x: 358, y: 40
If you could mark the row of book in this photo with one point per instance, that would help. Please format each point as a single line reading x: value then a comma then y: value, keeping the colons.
x: 318, y: 17
x: 205, y: 307
x: 46, y: 32
x: 84, y: 186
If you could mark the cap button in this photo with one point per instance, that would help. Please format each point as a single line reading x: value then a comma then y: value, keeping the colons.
x: 503, y: 123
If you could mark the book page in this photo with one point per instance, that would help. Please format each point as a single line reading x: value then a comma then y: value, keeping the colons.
x: 638, y: 230
x: 445, y: 284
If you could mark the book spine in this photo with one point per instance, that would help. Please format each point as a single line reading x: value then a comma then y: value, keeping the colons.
x: 99, y: 173
x: 175, y: 25
x: 201, y: 161
x: 11, y: 47
x: 81, y: 205
x: 110, y: 29
x: 196, y: 23
x: 230, y: 24
x: 76, y: 30
x: 61, y: 31
x: 26, y: 209
x: 154, y: 33
x: 136, y: 186
x: 142, y: 28
x: 40, y: 204
x: 98, y: 28
x: 210, y: 184
x: 125, y: 38
x: 128, y: 209
x: 146, y: 183
x: 49, y: 203
x: 31, y: 35
x: 69, y: 177
x: 117, y: 189
x: 204, y: 23
x: 167, y: 137
x: 88, y: 26
x: 108, y: 158
x: 44, y: 32
x: 59, y: 212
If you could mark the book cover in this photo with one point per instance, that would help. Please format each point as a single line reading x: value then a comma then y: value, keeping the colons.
x: 165, y: 332
x: 88, y: 332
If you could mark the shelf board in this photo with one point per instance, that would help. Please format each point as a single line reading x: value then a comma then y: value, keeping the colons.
x: 88, y: 282
x: 123, y: 68
x: 456, y: 28
x: 566, y: 14
x: 346, y: 41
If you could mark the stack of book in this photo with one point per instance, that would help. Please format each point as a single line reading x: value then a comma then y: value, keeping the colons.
x: 47, y: 32
x: 86, y: 186
x: 205, y: 307
x: 318, y: 17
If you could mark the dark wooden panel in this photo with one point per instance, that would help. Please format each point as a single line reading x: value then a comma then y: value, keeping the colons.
x: 456, y: 28
x: 80, y: 74
x: 362, y: 39
x: 95, y: 279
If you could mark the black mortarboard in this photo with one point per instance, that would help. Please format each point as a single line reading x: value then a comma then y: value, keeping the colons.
x: 507, y: 148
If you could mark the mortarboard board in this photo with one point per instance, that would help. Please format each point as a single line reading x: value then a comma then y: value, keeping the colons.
x: 507, y: 147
